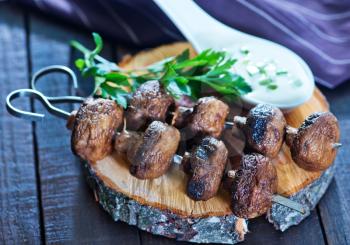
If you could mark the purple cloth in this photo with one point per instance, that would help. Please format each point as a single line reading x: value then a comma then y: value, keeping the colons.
x: 318, y: 30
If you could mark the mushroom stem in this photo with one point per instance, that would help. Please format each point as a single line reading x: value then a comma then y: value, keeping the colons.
x: 231, y: 173
x: 291, y: 130
x: 336, y: 145
x: 240, y: 121
x: 124, y: 126
x: 277, y: 198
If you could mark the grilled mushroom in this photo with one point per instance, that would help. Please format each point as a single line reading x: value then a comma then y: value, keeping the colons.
x: 254, y: 185
x: 208, y: 117
x: 206, y: 165
x: 314, y: 144
x: 149, y: 103
x: 94, y: 127
x: 152, y: 156
x: 264, y: 129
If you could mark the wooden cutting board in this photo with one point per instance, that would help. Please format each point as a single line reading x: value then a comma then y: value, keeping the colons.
x: 144, y: 202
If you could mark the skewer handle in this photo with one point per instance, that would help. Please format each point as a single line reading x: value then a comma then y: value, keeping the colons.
x: 31, y: 115
x: 336, y: 145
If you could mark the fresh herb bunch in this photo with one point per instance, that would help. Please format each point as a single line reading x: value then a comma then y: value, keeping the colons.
x: 179, y: 75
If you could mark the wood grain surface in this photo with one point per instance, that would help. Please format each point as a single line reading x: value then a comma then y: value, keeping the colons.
x: 63, y: 200
x: 19, y: 205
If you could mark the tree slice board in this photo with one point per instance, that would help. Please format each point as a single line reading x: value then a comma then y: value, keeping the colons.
x: 161, y: 206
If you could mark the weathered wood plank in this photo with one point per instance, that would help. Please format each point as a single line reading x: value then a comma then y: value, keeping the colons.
x: 335, y: 216
x: 307, y: 232
x: 70, y: 211
x: 19, y: 210
x: 335, y: 205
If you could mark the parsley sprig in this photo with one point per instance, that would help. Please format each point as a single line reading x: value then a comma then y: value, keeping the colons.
x: 180, y: 75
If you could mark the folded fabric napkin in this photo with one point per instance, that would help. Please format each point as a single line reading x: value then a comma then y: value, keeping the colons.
x: 319, y: 31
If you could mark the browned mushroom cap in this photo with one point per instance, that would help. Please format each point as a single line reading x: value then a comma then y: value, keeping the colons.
x: 264, y: 129
x: 152, y: 156
x: 149, y: 103
x: 254, y: 185
x: 94, y: 127
x: 313, y: 145
x: 208, y: 117
x: 207, y: 164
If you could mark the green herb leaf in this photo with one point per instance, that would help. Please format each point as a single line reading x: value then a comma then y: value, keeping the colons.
x: 185, y: 55
x: 266, y: 82
x: 99, y: 43
x: 272, y: 86
x: 80, y: 64
x: 117, y: 78
x: 281, y: 72
x: 180, y: 75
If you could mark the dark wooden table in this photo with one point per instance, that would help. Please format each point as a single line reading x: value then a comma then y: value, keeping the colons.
x: 43, y: 195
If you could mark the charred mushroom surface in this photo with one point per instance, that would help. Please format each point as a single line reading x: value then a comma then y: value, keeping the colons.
x: 152, y: 156
x: 264, y: 129
x: 208, y: 117
x: 312, y: 147
x: 150, y: 102
x: 254, y: 185
x: 94, y: 127
x: 206, y: 166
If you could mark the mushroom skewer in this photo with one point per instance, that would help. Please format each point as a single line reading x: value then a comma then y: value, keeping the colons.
x: 94, y: 124
x: 151, y: 154
x: 254, y: 188
x: 275, y: 198
x: 150, y: 102
x: 263, y: 127
x: 314, y: 144
x: 205, y: 164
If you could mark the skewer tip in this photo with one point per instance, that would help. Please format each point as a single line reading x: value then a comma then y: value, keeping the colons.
x: 336, y: 145
x: 289, y: 203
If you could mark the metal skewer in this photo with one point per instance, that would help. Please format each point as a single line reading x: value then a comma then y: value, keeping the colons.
x: 62, y: 69
x: 32, y: 116
x: 47, y: 101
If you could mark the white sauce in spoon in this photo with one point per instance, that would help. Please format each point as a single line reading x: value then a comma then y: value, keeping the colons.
x: 285, y: 87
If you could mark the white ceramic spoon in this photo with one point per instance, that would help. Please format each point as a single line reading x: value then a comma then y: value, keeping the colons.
x: 204, y: 32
